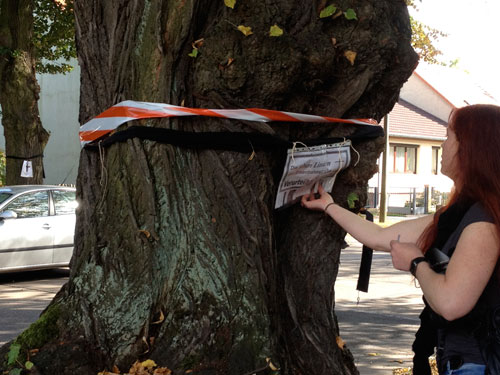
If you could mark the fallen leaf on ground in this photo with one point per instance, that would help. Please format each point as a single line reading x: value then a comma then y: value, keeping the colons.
x: 162, y: 371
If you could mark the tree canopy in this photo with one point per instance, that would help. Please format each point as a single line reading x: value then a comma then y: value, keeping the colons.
x: 424, y: 38
x: 54, y: 35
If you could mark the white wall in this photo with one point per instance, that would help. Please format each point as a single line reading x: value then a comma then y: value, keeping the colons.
x: 424, y: 175
x: 58, y: 106
x: 417, y: 92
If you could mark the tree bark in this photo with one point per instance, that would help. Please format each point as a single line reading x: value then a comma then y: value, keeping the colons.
x: 179, y: 254
x: 25, y: 138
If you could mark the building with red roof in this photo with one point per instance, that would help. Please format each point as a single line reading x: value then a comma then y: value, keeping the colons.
x: 417, y: 128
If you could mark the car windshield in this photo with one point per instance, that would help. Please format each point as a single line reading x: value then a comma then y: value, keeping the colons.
x: 4, y: 196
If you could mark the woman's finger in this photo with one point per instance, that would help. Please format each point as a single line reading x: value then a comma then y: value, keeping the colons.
x: 311, y: 195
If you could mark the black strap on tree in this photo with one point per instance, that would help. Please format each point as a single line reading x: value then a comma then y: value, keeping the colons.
x: 23, y: 158
x: 28, y: 158
x: 366, y: 260
x: 229, y: 141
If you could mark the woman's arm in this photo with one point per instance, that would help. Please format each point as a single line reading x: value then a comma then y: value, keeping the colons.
x: 455, y: 293
x: 366, y: 232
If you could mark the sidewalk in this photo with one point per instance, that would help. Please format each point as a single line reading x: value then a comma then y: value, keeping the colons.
x: 380, y: 329
x: 23, y: 296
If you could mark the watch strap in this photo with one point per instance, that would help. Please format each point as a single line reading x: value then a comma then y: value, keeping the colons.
x: 414, y: 263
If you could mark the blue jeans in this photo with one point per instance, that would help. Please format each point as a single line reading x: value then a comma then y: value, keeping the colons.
x: 466, y: 369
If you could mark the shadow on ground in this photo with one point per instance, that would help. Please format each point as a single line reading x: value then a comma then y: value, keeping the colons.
x: 23, y: 296
x: 379, y: 326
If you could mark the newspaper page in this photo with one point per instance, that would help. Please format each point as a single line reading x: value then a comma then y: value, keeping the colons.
x: 305, y: 167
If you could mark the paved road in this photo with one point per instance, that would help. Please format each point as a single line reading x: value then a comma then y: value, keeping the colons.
x: 378, y: 330
x: 23, y: 296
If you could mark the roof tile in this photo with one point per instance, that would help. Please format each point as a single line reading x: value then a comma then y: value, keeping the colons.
x: 408, y: 120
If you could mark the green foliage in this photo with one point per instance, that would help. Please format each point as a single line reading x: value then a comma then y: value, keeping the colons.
x: 13, y: 360
x: 331, y: 11
x: 194, y: 53
x: 423, y: 39
x: 41, y: 331
x: 53, y: 35
x: 350, y: 14
x: 230, y: 3
x: 38, y: 334
x: 453, y: 63
x: 275, y: 31
x: 351, y: 200
x: 328, y: 11
x: 13, y: 354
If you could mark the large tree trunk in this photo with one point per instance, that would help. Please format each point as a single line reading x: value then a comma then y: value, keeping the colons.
x: 25, y: 138
x: 179, y: 254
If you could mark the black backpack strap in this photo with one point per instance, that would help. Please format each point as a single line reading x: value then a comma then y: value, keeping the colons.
x: 424, y: 344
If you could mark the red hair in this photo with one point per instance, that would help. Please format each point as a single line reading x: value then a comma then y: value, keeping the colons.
x: 477, y: 128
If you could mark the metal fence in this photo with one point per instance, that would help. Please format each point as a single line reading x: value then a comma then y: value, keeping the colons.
x: 409, y: 201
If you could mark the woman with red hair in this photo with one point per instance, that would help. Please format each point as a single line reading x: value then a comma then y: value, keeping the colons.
x: 462, y: 296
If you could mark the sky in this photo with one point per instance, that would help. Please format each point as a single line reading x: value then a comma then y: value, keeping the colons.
x: 473, y: 28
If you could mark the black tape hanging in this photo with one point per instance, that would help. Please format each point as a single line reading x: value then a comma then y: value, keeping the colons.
x: 366, y: 260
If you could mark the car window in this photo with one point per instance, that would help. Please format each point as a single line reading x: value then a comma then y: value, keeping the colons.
x: 4, y: 196
x: 64, y: 202
x: 30, y: 204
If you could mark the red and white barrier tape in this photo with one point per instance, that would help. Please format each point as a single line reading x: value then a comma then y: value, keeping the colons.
x: 129, y: 110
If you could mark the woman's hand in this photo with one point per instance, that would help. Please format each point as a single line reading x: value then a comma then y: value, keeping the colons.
x: 319, y: 204
x: 403, y: 253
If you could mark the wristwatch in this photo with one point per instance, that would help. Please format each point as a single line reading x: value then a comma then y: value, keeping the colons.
x: 414, y: 263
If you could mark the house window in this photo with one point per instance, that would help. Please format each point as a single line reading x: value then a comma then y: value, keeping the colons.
x: 435, y: 160
x: 403, y: 158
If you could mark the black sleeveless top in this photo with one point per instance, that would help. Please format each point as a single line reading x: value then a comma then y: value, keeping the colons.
x: 457, y: 338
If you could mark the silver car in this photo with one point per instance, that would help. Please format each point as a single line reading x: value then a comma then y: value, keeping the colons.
x: 37, y: 225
